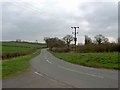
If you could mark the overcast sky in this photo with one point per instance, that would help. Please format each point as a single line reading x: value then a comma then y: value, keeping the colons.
x: 35, y: 19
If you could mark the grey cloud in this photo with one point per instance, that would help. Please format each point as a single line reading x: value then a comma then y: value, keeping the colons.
x: 25, y: 21
x: 104, y: 15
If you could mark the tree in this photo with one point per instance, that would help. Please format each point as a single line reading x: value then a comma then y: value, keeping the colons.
x: 46, y: 39
x: 87, y: 40
x: 68, y: 39
x: 99, y: 39
x: 105, y: 41
x: 119, y: 40
x: 54, y: 42
x: 18, y: 40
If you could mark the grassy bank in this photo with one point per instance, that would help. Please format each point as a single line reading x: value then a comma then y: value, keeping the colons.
x: 17, y: 65
x: 99, y: 60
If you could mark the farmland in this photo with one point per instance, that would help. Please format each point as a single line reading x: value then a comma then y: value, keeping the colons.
x: 23, y: 44
x: 15, y: 49
x: 17, y: 54
x: 7, y: 49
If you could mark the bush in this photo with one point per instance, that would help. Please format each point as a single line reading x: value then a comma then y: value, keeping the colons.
x: 98, y: 48
x: 16, y: 54
x: 59, y: 49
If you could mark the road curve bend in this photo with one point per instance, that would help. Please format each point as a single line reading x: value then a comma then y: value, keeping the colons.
x: 73, y: 75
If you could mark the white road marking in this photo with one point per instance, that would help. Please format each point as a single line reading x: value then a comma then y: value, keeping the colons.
x: 93, y: 75
x: 49, y: 61
x: 38, y: 74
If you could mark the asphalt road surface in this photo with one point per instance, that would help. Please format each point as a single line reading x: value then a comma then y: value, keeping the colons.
x: 51, y: 72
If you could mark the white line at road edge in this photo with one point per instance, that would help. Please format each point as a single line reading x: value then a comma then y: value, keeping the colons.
x: 38, y: 74
x: 80, y: 72
x: 49, y: 61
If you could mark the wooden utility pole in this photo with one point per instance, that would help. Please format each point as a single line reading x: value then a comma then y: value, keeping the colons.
x: 75, y: 34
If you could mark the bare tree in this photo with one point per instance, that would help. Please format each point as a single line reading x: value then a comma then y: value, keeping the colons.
x: 87, y: 40
x: 68, y: 39
x: 54, y: 42
x: 99, y: 39
x: 119, y: 40
x: 46, y: 39
x: 105, y: 40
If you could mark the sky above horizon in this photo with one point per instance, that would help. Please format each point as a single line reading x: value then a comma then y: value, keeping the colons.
x: 32, y: 20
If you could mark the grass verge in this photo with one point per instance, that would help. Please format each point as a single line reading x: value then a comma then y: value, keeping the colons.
x: 0, y: 70
x: 99, y: 60
x: 17, y: 65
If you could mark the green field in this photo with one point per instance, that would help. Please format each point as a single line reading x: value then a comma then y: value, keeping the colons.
x: 17, y: 65
x: 19, y: 46
x: 6, y: 49
x: 25, y: 44
x: 99, y: 60
x: 15, y: 49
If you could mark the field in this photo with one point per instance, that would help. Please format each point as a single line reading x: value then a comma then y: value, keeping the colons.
x: 7, y: 49
x: 17, y: 56
x: 23, y: 44
x: 99, y: 60
x: 15, y: 49
x: 16, y: 66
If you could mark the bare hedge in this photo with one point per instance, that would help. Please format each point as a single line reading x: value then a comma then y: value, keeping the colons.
x: 99, y: 48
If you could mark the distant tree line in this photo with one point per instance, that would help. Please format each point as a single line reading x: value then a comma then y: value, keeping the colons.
x: 99, y: 44
x: 99, y: 39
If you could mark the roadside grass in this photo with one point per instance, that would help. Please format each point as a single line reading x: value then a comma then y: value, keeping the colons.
x: 17, y: 65
x: 0, y: 48
x: 0, y: 70
x: 98, y: 60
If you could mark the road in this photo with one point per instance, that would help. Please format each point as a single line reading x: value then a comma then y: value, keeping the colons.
x: 51, y: 72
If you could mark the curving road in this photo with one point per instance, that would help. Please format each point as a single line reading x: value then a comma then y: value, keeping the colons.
x: 74, y: 75
x: 49, y: 71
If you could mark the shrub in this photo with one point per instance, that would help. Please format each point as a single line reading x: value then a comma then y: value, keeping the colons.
x: 16, y: 54
x: 98, y: 48
x: 59, y: 49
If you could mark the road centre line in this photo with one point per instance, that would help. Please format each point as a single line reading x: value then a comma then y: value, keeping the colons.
x: 49, y: 61
x: 38, y: 73
x: 93, y: 75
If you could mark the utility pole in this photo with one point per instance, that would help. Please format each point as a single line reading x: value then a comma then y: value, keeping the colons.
x: 75, y: 33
